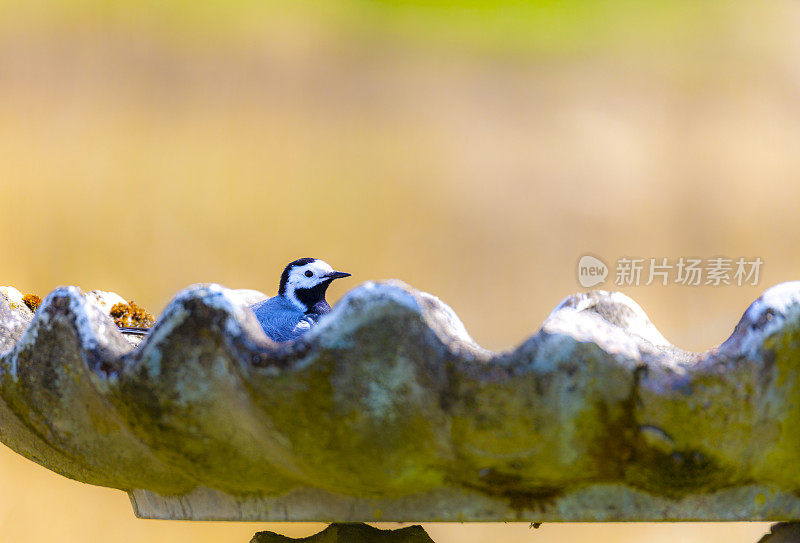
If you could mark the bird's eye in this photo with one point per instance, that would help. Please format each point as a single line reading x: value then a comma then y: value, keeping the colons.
x: 309, y: 273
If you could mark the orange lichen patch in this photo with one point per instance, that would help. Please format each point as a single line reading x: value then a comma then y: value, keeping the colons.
x: 131, y: 315
x: 32, y: 301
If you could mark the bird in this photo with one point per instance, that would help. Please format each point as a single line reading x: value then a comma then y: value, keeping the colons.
x: 300, y: 301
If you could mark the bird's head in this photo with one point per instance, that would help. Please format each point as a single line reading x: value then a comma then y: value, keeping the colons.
x: 305, y: 281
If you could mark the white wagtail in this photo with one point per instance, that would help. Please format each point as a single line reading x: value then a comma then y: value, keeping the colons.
x: 300, y: 300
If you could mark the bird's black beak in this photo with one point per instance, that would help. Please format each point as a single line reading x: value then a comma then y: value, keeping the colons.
x: 336, y: 275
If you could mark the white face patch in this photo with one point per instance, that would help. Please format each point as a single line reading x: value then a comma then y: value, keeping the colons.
x: 306, y: 276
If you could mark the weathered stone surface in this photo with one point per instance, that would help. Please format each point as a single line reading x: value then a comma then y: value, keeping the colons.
x: 387, y: 410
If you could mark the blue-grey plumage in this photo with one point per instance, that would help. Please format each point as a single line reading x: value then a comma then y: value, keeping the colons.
x: 300, y: 300
x: 281, y: 319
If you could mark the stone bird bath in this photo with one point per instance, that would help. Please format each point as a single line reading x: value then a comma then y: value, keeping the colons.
x: 388, y: 411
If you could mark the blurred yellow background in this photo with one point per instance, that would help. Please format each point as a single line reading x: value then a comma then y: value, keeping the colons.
x: 474, y: 149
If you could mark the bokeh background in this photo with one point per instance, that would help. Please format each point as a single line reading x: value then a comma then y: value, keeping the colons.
x: 474, y: 149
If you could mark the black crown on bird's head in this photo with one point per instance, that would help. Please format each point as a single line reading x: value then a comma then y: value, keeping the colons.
x: 288, y: 268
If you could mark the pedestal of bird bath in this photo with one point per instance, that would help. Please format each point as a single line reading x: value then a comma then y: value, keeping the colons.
x: 388, y: 411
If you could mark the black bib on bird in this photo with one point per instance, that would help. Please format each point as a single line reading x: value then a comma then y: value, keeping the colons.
x: 314, y: 298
